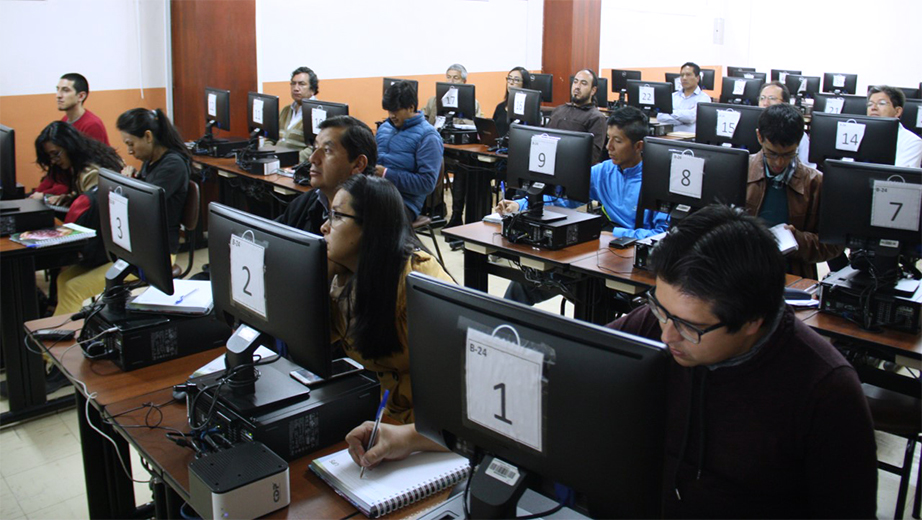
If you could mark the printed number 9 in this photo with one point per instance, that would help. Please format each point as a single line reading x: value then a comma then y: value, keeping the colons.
x: 541, y: 159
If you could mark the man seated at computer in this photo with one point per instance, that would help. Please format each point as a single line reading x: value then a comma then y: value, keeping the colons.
x: 614, y: 183
x: 71, y: 93
x: 457, y: 74
x: 304, y: 85
x: 685, y: 101
x: 887, y: 101
x: 409, y: 148
x: 776, y: 92
x: 764, y: 417
x: 781, y: 190
x: 581, y: 114
x: 344, y: 147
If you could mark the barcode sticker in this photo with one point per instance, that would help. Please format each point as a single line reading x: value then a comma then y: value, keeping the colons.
x: 646, y: 94
x: 503, y: 387
x: 896, y: 205
x: 518, y: 105
x: 318, y: 115
x: 450, y: 99
x: 739, y: 86
x: 849, y: 135
x: 258, y: 111
x: 542, y: 155
x: 248, y: 274
x: 213, y: 105
x: 118, y: 220
x: 503, y: 472
x: 686, y: 175
x: 834, y: 105
x: 726, y: 122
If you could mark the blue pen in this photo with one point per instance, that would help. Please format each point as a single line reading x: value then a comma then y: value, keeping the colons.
x: 502, y: 189
x: 374, y: 431
x: 183, y: 297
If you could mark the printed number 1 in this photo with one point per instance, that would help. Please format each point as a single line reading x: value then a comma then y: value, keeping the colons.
x: 502, y: 400
x: 899, y: 206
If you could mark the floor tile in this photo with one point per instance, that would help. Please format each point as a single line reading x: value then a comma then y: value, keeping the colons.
x: 9, y: 507
x: 35, y: 443
x: 72, y: 508
x: 47, y: 484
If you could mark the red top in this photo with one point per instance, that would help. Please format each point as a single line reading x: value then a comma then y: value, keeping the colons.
x: 90, y: 124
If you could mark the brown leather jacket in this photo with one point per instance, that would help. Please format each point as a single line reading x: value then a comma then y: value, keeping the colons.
x: 803, y: 214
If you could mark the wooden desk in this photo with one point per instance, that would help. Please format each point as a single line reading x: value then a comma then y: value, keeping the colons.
x: 263, y: 195
x: 480, y: 167
x: 25, y: 371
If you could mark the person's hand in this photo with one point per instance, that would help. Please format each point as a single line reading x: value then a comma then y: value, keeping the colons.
x: 37, y: 195
x: 54, y: 200
x: 379, y: 170
x: 392, y: 443
x: 506, y: 207
x: 129, y: 171
x: 790, y: 228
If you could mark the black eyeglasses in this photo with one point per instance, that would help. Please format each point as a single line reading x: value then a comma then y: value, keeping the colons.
x: 685, y: 329
x: 336, y: 216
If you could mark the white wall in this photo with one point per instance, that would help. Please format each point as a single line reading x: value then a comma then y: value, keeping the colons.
x: 878, y: 41
x: 41, y: 40
x: 367, y: 38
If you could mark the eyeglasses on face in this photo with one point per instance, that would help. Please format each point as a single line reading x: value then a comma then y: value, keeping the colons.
x: 336, y: 217
x: 881, y: 103
x: 513, y: 79
x: 690, y: 332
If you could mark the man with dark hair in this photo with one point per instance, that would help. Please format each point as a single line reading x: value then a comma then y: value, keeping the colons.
x: 344, y: 147
x: 773, y: 93
x: 72, y: 92
x: 887, y: 101
x: 581, y: 114
x: 782, y: 190
x: 614, y: 183
x: 304, y: 85
x: 685, y: 101
x: 764, y: 416
x: 409, y: 148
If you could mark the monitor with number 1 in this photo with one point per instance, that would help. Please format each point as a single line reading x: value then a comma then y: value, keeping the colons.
x: 316, y: 112
x: 728, y: 125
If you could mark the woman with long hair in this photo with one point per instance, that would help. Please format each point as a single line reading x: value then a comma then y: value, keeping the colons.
x: 372, y: 248
x: 518, y: 77
x: 71, y: 162
x: 152, y: 139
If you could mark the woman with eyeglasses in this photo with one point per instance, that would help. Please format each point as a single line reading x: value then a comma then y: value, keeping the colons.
x: 372, y: 248
x: 71, y: 162
x: 517, y: 78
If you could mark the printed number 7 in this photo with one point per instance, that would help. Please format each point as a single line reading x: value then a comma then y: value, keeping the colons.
x: 899, y: 206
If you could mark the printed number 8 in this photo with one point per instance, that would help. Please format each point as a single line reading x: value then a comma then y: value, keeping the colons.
x: 686, y: 178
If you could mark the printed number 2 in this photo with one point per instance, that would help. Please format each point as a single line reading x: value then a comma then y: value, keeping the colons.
x: 247, y: 284
x: 502, y: 403
x: 899, y: 206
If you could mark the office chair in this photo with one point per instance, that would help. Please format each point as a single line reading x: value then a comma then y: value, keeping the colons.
x: 188, y: 225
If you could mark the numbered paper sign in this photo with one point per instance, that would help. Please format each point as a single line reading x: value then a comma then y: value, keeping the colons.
x: 739, y: 87
x: 213, y: 105
x: 450, y: 99
x: 542, y: 156
x: 686, y: 175
x: 749, y: 75
x: 726, y: 122
x: 678, y: 83
x: 919, y: 117
x: 834, y: 105
x: 118, y: 220
x: 782, y: 76
x: 518, y: 104
x: 503, y: 387
x: 258, y: 111
x: 318, y: 115
x: 248, y: 274
x: 849, y: 135
x: 838, y: 80
x: 896, y: 205
x: 645, y: 92
x: 803, y: 85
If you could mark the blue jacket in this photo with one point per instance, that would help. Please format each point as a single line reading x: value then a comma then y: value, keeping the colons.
x: 619, y: 192
x: 413, y: 158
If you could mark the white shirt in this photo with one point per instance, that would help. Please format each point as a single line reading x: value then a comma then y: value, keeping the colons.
x: 803, y: 151
x: 296, y: 113
x: 908, y: 149
x: 684, y: 110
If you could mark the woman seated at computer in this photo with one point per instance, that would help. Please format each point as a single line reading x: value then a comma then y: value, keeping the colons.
x: 151, y: 138
x: 517, y: 78
x: 71, y: 162
x: 372, y: 248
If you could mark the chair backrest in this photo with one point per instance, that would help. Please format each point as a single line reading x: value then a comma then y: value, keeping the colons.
x: 190, y: 211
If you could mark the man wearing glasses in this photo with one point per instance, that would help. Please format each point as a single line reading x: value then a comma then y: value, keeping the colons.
x: 773, y: 93
x: 764, y: 417
x: 456, y: 74
x: 782, y: 190
x: 887, y: 101
x: 581, y: 114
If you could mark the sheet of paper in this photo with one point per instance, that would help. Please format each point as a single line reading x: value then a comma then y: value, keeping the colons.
x: 248, y: 279
x: 726, y: 122
x: 647, y: 96
x: 212, y: 105
x: 258, y: 111
x: 686, y: 175
x: 118, y: 220
x: 849, y: 135
x: 542, y: 156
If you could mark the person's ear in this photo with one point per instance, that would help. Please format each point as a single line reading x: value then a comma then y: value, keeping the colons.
x: 81, y: 96
x: 360, y: 163
x: 759, y: 136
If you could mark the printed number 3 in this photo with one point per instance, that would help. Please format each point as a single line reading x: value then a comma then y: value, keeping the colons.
x: 118, y: 222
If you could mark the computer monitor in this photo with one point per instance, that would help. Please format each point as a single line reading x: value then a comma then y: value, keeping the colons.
x: 601, y: 92
x: 728, y: 125
x: 390, y: 81
x: 752, y: 75
x: 912, y: 116
x: 549, y: 161
x: 802, y: 86
x: 619, y: 78
x: 133, y: 225
x: 737, y: 72
x: 839, y: 83
x: 7, y: 163
x: 676, y: 182
x: 572, y: 402
x: 708, y: 78
x: 650, y: 96
x: 872, y: 207
x: 315, y: 112
x: 740, y: 91
x: 272, y: 278
x: 263, y: 116
x: 840, y: 104
x: 909, y: 92
x: 524, y: 105
x: 217, y: 110
x: 870, y: 139
x: 456, y: 100
x: 675, y: 79
x: 545, y: 84
x: 782, y: 74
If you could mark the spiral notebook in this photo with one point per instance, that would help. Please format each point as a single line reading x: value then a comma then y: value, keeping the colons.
x: 391, y: 485
x: 53, y: 236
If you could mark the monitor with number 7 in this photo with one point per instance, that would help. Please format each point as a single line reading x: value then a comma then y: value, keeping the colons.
x: 849, y: 136
x: 565, y: 400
